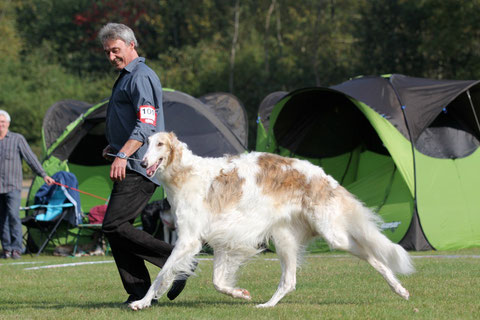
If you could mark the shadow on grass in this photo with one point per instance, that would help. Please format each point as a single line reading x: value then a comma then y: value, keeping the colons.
x: 48, y: 305
x: 10, y: 306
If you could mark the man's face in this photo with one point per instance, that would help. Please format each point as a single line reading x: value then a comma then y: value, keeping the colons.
x: 4, y: 124
x: 119, y: 53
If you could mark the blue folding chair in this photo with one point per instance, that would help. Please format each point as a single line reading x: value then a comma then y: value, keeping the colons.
x: 53, y: 204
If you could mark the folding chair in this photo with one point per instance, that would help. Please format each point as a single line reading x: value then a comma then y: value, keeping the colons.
x: 47, y: 218
x: 53, y: 204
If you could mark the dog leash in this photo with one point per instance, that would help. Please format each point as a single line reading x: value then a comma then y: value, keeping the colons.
x: 87, y: 193
x: 114, y: 155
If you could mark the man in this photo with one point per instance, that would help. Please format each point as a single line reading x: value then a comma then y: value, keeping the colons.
x: 13, y: 148
x: 135, y: 112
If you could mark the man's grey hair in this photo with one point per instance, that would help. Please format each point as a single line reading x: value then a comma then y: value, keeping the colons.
x: 5, y: 114
x: 117, y: 31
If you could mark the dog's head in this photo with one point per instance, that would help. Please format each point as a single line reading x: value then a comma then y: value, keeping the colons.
x: 161, y: 152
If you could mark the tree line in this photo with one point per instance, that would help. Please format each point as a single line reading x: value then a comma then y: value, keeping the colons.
x: 249, y: 48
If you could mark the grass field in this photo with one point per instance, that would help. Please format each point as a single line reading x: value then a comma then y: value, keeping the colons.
x: 330, y: 286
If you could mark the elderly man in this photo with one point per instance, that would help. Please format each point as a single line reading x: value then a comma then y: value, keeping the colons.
x: 13, y: 148
x: 134, y: 112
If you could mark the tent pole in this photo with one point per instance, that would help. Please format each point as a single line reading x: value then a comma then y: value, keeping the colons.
x: 473, y: 110
x: 347, y: 167
x: 415, y: 203
x: 403, y: 107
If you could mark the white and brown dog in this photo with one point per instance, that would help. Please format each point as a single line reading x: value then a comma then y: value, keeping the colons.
x: 237, y: 203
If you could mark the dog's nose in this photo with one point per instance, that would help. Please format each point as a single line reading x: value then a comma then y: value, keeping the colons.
x: 144, y: 164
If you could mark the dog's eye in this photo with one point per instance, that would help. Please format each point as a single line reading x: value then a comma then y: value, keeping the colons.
x: 160, y: 144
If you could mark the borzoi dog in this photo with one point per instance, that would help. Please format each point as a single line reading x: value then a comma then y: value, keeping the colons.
x: 236, y: 203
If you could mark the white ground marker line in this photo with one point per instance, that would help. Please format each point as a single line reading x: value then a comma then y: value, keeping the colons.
x: 68, y: 265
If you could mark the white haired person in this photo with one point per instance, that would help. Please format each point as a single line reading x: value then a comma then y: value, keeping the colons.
x: 134, y: 112
x: 13, y: 149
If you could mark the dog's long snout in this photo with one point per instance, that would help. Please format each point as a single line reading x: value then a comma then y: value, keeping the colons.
x: 143, y: 163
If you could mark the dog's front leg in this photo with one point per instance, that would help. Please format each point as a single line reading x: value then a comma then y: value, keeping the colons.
x: 180, y: 262
x: 225, y: 266
x: 160, y: 285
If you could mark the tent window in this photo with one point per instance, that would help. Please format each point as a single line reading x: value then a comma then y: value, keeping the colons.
x: 454, y: 133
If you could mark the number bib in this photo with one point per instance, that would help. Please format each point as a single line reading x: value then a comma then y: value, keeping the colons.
x: 147, y: 114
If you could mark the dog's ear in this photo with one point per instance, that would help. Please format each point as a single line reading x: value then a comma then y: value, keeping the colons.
x: 174, y: 142
x: 173, y: 147
x: 172, y: 136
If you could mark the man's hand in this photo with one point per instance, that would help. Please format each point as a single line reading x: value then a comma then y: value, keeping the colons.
x: 118, y: 169
x: 108, y: 149
x: 49, y: 180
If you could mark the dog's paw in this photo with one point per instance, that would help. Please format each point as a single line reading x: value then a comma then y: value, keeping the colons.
x: 263, y: 305
x: 405, y: 295
x: 241, y: 293
x: 402, y: 292
x: 139, y: 305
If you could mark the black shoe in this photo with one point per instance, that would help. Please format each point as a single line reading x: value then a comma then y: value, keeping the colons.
x: 179, y: 285
x: 6, y: 254
x: 176, y: 289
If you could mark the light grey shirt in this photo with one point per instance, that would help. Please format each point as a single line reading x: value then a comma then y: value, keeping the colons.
x: 14, y: 148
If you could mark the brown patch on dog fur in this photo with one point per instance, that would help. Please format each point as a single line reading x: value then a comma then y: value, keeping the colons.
x: 270, y: 160
x: 278, y: 178
x: 318, y: 190
x: 225, y: 191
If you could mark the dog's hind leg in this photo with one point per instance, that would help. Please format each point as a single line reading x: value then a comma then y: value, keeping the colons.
x: 388, y: 275
x: 345, y: 242
x: 225, y: 266
x: 180, y: 262
x: 287, y: 246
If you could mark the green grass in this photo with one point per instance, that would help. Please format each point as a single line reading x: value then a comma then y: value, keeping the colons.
x: 329, y: 286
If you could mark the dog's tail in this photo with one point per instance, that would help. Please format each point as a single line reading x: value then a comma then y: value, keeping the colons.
x: 365, y: 230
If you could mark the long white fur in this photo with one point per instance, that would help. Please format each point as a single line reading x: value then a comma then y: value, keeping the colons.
x: 237, y: 232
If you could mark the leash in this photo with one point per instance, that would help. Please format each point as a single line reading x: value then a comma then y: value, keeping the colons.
x: 89, y: 194
x: 114, y: 155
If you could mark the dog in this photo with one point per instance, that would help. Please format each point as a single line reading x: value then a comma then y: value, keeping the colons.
x: 237, y: 203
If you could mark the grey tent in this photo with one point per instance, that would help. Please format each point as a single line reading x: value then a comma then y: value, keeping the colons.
x: 230, y: 111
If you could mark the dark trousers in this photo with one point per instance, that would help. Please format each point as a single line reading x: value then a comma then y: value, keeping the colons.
x: 132, y: 246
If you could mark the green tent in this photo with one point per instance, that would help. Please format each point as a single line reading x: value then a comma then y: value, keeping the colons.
x: 407, y: 147
x: 74, y: 136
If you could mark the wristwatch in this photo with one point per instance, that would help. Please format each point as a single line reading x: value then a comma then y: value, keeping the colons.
x: 121, y: 155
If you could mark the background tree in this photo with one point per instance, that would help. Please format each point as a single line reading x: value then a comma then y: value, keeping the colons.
x: 52, y: 53
x: 450, y: 39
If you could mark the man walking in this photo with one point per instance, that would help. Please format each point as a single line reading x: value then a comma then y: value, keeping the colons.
x: 135, y: 112
x: 13, y: 148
